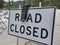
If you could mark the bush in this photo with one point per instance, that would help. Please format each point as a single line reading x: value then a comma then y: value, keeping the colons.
x: 51, y: 3
x: 1, y: 4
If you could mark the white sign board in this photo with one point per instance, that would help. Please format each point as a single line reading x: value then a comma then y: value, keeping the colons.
x: 39, y: 25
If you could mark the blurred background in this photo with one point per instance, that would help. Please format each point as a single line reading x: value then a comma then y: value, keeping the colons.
x: 6, y: 39
x: 19, y: 3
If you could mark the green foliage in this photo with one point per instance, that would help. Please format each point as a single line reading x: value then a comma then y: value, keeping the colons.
x: 1, y: 4
x: 51, y: 3
x: 35, y: 3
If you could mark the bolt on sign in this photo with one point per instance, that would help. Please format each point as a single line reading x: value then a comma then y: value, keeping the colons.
x: 39, y: 24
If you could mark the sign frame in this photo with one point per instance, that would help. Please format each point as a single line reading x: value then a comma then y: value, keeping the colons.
x: 33, y: 9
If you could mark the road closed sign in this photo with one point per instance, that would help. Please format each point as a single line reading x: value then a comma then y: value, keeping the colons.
x: 38, y: 26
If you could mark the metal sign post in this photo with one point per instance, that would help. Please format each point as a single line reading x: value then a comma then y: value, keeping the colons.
x: 17, y: 41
